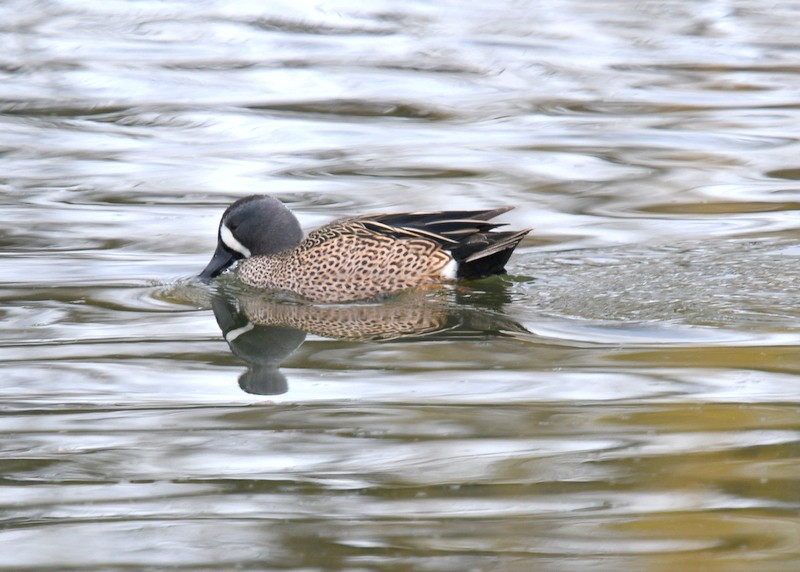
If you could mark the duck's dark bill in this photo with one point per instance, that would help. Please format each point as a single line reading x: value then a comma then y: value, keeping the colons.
x: 221, y: 260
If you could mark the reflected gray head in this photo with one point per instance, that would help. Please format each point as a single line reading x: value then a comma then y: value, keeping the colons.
x: 252, y: 226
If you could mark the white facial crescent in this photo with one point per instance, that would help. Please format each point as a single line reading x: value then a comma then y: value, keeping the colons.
x: 230, y: 241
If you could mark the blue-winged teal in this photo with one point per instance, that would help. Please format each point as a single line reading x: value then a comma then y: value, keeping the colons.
x: 359, y: 257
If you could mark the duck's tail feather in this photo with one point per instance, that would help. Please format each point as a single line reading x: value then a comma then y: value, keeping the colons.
x: 485, y: 254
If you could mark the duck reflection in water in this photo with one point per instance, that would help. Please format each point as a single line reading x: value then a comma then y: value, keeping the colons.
x: 264, y: 331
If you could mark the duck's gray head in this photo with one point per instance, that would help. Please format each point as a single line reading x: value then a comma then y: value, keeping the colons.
x: 252, y: 226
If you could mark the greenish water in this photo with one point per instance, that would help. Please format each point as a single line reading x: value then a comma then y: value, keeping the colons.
x: 627, y: 398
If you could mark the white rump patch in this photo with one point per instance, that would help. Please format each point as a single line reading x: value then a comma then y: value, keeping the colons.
x: 230, y: 241
x: 450, y: 270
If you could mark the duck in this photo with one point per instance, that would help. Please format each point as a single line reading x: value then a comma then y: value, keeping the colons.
x: 359, y: 257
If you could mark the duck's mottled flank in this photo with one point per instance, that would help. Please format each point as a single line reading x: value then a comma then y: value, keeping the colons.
x: 347, y: 261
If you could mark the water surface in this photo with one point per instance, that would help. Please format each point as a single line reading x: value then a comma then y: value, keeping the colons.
x: 626, y: 398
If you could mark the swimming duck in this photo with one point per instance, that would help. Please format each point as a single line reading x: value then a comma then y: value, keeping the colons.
x: 359, y: 257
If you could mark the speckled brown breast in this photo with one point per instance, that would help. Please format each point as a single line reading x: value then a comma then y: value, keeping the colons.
x: 347, y: 261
